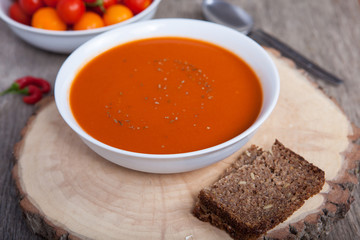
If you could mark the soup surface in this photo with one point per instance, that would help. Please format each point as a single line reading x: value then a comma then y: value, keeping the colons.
x: 165, y: 95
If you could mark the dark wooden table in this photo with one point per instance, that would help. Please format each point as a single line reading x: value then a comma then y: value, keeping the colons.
x: 325, y: 31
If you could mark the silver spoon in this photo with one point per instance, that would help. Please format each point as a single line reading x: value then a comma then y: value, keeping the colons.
x: 232, y: 16
x: 224, y: 13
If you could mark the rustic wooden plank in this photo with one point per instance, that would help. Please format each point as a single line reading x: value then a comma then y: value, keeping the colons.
x: 322, y: 39
x: 267, y: 40
x: 64, y: 176
x: 325, y: 31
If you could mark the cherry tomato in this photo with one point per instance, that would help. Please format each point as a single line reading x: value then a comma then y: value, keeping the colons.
x: 17, y: 14
x: 137, y: 6
x: 116, y: 13
x: 90, y: 1
x: 51, y: 3
x: 109, y: 3
x: 30, y: 6
x: 89, y: 20
x: 100, y: 6
x: 47, y: 18
x: 70, y: 11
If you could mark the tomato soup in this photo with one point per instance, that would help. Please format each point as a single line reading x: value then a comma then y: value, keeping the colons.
x: 165, y: 95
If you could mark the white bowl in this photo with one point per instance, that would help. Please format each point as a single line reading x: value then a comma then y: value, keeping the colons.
x: 230, y: 39
x: 64, y: 41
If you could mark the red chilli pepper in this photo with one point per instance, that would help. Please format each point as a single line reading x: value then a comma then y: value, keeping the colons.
x: 29, y: 80
x: 23, y: 82
x: 30, y: 86
x: 33, y: 93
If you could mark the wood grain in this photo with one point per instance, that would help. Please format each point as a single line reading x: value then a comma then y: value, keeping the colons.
x: 68, y: 191
x: 325, y: 31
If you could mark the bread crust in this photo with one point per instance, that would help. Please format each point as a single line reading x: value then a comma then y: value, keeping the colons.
x: 259, y: 191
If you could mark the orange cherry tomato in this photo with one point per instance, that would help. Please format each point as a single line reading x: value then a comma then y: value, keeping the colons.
x: 47, y: 18
x: 116, y: 13
x: 89, y: 20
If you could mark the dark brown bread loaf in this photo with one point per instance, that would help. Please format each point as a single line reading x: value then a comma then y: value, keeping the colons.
x: 260, y: 190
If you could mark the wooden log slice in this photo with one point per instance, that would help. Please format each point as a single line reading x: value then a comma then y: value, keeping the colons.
x: 69, y: 192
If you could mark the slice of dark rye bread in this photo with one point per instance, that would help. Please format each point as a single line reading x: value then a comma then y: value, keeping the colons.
x: 260, y: 190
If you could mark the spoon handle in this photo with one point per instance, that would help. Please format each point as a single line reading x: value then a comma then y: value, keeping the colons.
x: 266, y: 39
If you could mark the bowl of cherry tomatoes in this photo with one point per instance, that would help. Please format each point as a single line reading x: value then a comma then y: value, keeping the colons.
x: 63, y: 25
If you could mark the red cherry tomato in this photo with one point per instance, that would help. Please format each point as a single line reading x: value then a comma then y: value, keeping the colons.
x: 70, y: 11
x: 30, y: 6
x: 99, y: 6
x: 137, y: 6
x: 51, y: 3
x: 109, y: 3
x: 90, y: 1
x: 17, y: 14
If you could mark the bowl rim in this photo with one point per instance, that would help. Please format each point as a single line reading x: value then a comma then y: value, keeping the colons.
x: 4, y: 16
x: 263, y: 115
